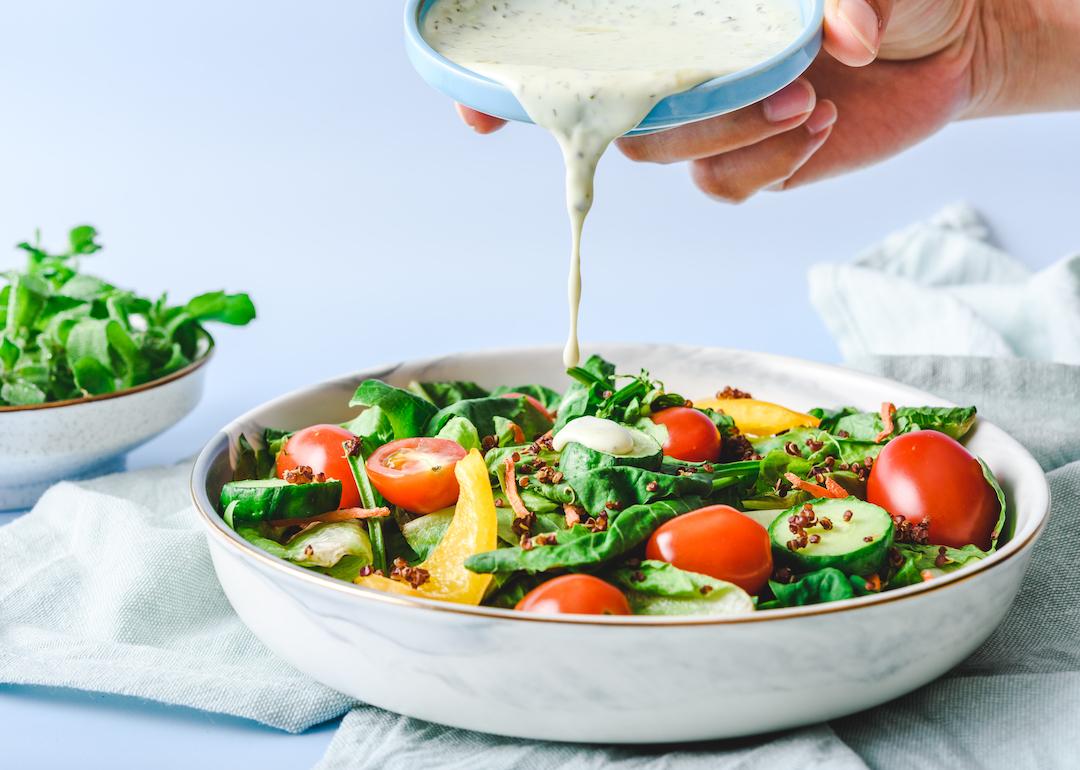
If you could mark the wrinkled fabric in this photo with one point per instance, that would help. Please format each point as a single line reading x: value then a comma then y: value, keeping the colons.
x: 107, y: 585
x: 941, y: 287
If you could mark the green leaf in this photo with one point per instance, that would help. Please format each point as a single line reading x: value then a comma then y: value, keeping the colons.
x: 824, y: 585
x: 320, y: 545
x: 26, y: 299
x: 82, y: 241
x: 482, y: 412
x: 866, y: 426
x: 407, y: 413
x: 234, y: 309
x: 462, y: 431
x: 89, y: 338
x: 21, y: 393
x: 86, y: 288
x: 578, y: 547
x: 92, y: 377
x: 373, y: 428
x: 628, y: 486
x: 928, y: 556
x: 659, y: 588
x: 442, y: 394
x: 1004, y: 526
x: 545, y: 395
x: 9, y: 354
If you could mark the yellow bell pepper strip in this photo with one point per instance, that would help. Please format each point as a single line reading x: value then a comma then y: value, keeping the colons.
x: 759, y: 418
x: 473, y: 529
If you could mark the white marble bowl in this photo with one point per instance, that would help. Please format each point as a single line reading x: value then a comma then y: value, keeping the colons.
x: 628, y: 679
x: 46, y: 443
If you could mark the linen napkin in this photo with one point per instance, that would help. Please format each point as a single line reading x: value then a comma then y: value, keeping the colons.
x: 107, y: 586
x: 943, y: 287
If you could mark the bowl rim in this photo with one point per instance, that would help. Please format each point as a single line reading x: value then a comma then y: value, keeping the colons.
x: 216, y: 527
x: 416, y: 42
x: 141, y: 387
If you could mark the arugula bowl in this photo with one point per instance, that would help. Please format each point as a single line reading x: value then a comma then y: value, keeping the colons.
x: 653, y: 679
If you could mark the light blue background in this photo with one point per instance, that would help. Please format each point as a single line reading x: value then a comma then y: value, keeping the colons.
x: 286, y: 149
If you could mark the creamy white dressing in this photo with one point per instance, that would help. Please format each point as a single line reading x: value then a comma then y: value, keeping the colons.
x: 589, y: 70
x: 597, y: 434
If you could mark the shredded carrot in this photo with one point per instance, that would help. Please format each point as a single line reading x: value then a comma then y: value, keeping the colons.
x: 927, y: 575
x: 516, y: 503
x: 812, y: 488
x: 572, y: 513
x: 835, y: 490
x: 873, y: 583
x: 342, y: 514
x: 888, y: 412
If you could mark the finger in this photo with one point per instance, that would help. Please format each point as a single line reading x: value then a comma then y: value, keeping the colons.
x: 854, y: 28
x: 735, y: 176
x: 787, y: 108
x: 478, y: 121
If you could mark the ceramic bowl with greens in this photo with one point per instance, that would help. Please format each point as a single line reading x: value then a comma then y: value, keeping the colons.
x: 88, y: 370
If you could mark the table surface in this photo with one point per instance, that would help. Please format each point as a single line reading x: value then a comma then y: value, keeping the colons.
x: 288, y: 150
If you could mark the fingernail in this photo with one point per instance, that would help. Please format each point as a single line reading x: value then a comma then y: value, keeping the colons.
x: 789, y: 102
x: 863, y: 22
x: 822, y: 118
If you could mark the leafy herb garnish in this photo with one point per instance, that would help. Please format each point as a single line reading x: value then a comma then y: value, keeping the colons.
x: 67, y: 334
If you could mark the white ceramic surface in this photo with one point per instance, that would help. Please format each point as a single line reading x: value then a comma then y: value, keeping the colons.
x: 44, y: 444
x: 650, y: 679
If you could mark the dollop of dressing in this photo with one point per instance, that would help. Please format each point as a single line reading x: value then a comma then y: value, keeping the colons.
x: 589, y: 70
x: 597, y: 434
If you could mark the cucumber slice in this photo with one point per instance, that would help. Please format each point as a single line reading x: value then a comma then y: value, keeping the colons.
x: 260, y: 500
x: 577, y: 458
x: 856, y: 540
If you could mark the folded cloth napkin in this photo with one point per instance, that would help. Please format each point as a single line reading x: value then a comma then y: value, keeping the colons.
x: 107, y: 586
x: 942, y: 287
x: 1011, y: 704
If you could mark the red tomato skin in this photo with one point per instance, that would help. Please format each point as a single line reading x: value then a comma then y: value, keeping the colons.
x: 692, y: 437
x: 717, y: 541
x: 420, y: 489
x: 928, y: 474
x: 575, y: 594
x: 319, y: 447
x: 535, y: 404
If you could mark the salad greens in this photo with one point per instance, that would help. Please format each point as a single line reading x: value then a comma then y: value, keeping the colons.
x: 636, y: 519
x: 67, y: 334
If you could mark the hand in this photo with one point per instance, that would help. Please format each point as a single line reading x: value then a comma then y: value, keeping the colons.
x: 893, y: 72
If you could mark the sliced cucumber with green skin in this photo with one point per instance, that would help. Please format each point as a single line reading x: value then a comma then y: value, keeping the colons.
x: 260, y: 500
x: 849, y: 534
x: 577, y: 458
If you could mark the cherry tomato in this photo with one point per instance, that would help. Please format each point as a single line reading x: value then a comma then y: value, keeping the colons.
x: 535, y: 403
x: 319, y: 447
x: 417, y: 473
x: 692, y: 437
x: 717, y: 541
x: 926, y: 474
x: 577, y: 595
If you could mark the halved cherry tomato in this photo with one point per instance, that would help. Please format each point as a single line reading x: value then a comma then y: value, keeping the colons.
x: 535, y: 403
x: 717, y: 541
x: 319, y: 448
x: 577, y: 595
x: 692, y: 437
x: 926, y: 474
x: 416, y: 473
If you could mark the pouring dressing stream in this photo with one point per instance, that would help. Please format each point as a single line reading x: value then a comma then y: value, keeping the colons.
x: 588, y: 71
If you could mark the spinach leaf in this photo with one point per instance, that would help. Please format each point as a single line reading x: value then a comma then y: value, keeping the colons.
x: 442, y: 394
x: 939, y: 557
x: 591, y: 381
x: 824, y: 585
x: 545, y: 395
x: 462, y: 431
x: 406, y: 412
x: 1004, y: 525
x: 659, y: 588
x: 373, y: 428
x: 482, y: 412
x: 621, y: 486
x: 579, y: 547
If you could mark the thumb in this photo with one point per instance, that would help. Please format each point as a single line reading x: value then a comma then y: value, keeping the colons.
x: 854, y: 29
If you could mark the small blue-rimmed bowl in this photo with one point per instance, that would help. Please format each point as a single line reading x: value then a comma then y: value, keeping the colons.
x: 711, y: 98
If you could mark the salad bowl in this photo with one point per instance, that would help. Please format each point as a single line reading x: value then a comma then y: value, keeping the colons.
x: 650, y: 679
x: 43, y: 444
